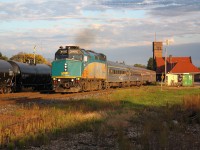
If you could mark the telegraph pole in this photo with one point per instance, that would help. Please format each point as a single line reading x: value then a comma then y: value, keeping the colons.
x: 34, y: 55
x: 167, y: 43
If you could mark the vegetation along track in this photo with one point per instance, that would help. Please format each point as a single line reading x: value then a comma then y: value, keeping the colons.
x: 112, y: 119
x: 37, y: 97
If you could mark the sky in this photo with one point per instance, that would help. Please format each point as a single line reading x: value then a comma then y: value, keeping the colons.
x: 122, y: 29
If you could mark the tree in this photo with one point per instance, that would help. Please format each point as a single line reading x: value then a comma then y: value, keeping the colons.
x: 3, y: 57
x: 140, y: 66
x: 25, y: 57
x: 151, y: 64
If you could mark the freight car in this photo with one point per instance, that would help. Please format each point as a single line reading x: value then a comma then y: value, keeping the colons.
x: 37, y: 77
x: 15, y: 76
x: 6, y: 76
x: 75, y: 69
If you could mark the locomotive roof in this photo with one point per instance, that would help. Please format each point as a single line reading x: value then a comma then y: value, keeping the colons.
x: 85, y: 52
x: 68, y: 47
x: 91, y: 52
x: 94, y: 54
x: 5, y: 66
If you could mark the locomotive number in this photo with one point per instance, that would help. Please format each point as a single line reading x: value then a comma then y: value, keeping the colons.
x: 64, y: 73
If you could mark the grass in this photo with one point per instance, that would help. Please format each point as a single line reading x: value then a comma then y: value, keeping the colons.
x: 36, y: 124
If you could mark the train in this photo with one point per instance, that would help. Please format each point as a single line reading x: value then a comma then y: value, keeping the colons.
x: 75, y: 69
x: 15, y: 76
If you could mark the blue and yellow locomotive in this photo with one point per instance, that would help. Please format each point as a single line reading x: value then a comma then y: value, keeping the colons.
x: 75, y: 69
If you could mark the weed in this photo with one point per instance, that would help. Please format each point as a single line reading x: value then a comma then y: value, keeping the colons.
x: 123, y: 141
x: 11, y: 146
x: 152, y: 111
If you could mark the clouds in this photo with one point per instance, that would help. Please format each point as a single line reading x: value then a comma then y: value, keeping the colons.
x: 39, y: 10
x: 104, y: 25
x: 46, y: 9
x: 177, y: 8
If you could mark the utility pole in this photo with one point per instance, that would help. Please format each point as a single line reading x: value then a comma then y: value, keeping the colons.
x: 167, y: 44
x: 34, y: 55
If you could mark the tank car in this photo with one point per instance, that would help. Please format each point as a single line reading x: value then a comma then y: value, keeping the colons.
x: 26, y: 75
x: 75, y: 69
x: 43, y: 77
x: 6, y: 76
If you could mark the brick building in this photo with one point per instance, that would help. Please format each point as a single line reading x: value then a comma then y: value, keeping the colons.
x: 174, y: 65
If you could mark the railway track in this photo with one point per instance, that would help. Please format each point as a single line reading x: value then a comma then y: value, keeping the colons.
x: 48, y: 97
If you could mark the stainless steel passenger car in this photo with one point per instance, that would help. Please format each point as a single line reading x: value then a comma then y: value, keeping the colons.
x: 117, y: 74
x: 146, y: 76
x: 121, y: 75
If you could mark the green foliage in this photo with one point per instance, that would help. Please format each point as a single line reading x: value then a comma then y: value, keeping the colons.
x: 25, y: 57
x: 140, y: 66
x: 151, y: 64
x: 11, y: 146
x: 3, y: 57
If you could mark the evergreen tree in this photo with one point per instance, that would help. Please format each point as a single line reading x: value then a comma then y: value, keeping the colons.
x: 151, y: 63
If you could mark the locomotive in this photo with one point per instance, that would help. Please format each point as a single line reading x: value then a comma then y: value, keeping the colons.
x: 14, y: 76
x: 75, y: 69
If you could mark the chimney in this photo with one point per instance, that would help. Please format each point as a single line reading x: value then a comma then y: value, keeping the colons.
x: 170, y: 58
x: 190, y: 59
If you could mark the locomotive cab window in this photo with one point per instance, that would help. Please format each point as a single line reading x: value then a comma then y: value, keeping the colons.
x: 102, y: 57
x: 75, y: 54
x: 61, y: 54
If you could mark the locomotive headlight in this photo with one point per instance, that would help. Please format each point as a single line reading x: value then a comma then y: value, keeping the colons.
x: 72, y: 80
x: 59, y: 80
x: 65, y: 67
